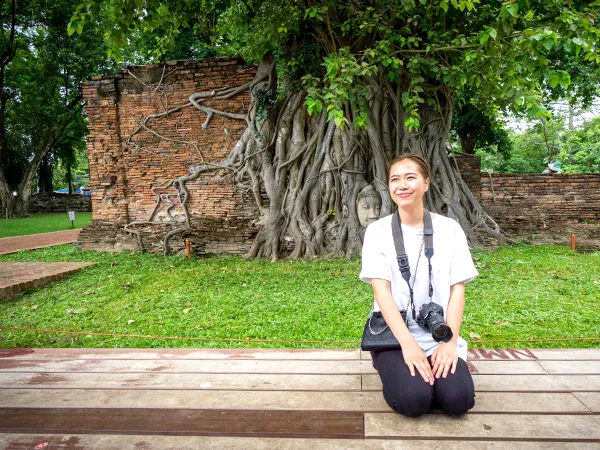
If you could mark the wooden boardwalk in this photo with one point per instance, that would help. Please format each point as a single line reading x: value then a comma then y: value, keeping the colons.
x: 284, y: 399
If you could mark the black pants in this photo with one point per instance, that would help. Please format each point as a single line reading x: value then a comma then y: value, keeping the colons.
x: 412, y: 396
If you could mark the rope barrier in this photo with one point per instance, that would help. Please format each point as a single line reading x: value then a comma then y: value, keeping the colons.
x: 183, y: 338
x: 483, y: 341
x: 271, y: 341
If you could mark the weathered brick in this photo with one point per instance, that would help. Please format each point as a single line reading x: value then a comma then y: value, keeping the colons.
x: 122, y: 178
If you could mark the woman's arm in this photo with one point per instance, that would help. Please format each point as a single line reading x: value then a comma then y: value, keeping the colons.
x: 414, y: 357
x: 456, y: 307
x: 445, y: 356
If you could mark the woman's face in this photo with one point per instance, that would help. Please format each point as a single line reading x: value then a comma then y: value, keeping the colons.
x: 406, y: 184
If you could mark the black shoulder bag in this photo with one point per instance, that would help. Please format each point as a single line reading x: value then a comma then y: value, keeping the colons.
x: 377, y: 335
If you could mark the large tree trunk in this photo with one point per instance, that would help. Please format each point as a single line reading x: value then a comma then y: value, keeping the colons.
x: 25, y: 189
x: 7, y: 200
x: 467, y: 142
x: 18, y: 206
x: 315, y: 174
x: 45, y: 175
x: 6, y: 58
x: 69, y: 178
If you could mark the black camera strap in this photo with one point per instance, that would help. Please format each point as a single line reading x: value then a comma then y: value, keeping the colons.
x: 403, y: 258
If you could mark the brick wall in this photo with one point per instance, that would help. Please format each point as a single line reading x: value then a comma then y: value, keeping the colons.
x: 122, y: 177
x: 223, y: 217
x: 49, y: 202
x: 539, y: 208
x: 530, y: 201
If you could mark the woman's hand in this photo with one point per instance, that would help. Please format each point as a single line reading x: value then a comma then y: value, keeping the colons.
x: 416, y: 359
x: 444, y: 358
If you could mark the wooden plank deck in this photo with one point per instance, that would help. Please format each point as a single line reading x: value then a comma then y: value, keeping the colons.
x: 284, y: 399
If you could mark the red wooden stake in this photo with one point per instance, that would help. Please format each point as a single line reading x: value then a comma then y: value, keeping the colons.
x: 572, y: 242
x: 188, y: 248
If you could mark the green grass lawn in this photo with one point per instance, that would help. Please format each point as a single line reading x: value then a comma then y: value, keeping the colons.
x: 42, y: 223
x: 523, y: 292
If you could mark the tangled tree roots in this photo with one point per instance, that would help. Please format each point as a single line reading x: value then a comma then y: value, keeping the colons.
x: 312, y: 171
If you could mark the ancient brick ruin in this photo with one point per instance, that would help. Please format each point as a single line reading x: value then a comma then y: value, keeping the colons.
x: 53, y: 202
x: 127, y: 171
x: 545, y: 208
x: 541, y: 201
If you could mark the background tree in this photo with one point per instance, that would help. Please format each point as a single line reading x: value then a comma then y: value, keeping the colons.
x: 570, y: 137
x: 41, y: 72
x: 141, y: 47
x: 535, y: 147
x: 577, y: 150
x: 344, y: 86
x: 71, y: 166
x: 581, y: 152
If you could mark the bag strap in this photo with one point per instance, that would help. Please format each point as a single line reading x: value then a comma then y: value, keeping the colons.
x: 428, y: 233
x: 400, y: 250
x: 399, y: 242
x: 401, y: 256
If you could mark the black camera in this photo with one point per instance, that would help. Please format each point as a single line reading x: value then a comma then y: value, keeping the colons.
x: 431, y: 318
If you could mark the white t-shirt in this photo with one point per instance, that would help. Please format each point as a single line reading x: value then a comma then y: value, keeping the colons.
x: 451, y: 263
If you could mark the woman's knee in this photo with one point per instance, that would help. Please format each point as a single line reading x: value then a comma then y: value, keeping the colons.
x: 409, y: 402
x: 457, y: 403
x: 456, y: 393
x: 406, y: 394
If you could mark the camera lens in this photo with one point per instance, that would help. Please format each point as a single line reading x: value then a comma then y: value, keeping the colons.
x: 441, y: 332
x: 431, y: 318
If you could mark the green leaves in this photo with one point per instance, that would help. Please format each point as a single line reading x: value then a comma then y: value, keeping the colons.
x: 315, y: 12
x: 510, y: 9
x: 338, y: 116
x: 488, y: 33
x: 561, y: 78
x: 345, y: 81
x: 546, y: 38
x: 411, y: 101
x: 314, y: 105
x: 75, y: 26
x: 461, y: 5
x: 505, y: 52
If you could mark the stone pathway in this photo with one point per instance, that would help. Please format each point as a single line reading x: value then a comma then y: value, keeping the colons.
x: 32, y: 241
x: 17, y: 277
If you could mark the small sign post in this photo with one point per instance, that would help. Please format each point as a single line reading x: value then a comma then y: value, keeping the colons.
x: 72, y: 218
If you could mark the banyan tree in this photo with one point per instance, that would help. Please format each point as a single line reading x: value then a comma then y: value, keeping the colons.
x: 342, y: 87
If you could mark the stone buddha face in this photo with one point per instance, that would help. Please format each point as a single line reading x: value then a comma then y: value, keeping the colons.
x: 368, y: 206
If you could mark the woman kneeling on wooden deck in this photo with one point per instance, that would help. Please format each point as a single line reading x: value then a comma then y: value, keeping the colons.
x: 430, y: 365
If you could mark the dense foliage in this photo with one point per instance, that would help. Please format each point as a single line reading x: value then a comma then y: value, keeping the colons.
x: 376, y: 78
x: 580, y: 152
x: 41, y: 109
x: 577, y: 150
x: 504, y: 52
